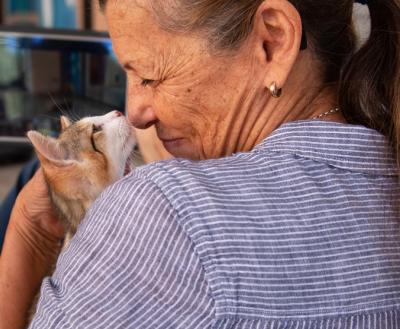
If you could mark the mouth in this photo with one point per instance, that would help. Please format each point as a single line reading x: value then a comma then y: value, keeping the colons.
x: 129, y: 163
x: 128, y: 168
x: 132, y: 149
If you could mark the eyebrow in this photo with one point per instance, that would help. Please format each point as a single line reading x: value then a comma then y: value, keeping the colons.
x: 102, y: 4
x: 128, y: 66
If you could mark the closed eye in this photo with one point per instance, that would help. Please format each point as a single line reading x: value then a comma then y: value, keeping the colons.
x: 95, y: 130
x: 94, y: 144
x: 147, y: 82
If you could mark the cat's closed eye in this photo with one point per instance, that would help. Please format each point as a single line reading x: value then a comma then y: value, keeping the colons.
x: 97, y: 128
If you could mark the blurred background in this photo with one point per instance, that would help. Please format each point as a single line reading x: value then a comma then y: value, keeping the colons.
x: 68, y: 14
x: 55, y: 58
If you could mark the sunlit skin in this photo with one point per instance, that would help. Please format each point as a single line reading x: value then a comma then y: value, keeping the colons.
x: 203, y: 105
x: 206, y: 104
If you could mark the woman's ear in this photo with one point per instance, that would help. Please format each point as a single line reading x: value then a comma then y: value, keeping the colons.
x: 277, y: 32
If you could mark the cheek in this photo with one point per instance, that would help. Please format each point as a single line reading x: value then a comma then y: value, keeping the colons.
x: 172, y: 111
x: 185, y: 109
x: 100, y: 143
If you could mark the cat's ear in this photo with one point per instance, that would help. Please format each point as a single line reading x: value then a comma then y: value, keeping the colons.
x: 65, y: 122
x: 49, y: 150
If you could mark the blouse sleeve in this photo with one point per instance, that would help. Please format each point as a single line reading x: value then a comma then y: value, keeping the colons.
x: 130, y: 265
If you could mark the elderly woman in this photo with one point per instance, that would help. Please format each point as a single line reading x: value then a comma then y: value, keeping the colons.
x: 290, y: 219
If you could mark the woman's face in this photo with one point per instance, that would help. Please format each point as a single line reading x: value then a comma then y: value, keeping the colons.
x: 197, y: 101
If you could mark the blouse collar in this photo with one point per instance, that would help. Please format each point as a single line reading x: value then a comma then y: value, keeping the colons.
x: 345, y: 146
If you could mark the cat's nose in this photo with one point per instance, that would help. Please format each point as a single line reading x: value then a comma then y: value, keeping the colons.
x: 118, y: 114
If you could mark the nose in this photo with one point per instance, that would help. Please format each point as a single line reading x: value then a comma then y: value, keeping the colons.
x: 141, y: 112
x: 118, y: 113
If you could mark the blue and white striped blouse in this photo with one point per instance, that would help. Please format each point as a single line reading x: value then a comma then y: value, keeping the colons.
x: 302, y: 232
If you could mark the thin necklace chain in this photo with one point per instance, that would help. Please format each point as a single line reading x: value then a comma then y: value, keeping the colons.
x: 331, y: 111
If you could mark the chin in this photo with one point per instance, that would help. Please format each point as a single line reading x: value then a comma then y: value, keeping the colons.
x: 190, y: 155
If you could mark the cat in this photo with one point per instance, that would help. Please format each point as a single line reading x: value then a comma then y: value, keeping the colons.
x: 89, y: 155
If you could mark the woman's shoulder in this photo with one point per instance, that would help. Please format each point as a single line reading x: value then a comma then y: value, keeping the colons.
x: 296, y: 152
x: 187, y: 174
x: 184, y: 183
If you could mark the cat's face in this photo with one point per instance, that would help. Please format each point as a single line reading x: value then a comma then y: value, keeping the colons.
x: 89, y: 155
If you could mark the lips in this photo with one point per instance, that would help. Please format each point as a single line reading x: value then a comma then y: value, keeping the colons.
x: 171, y: 143
x: 170, y: 140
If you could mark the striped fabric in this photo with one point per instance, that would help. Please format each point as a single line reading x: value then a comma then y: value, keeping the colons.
x: 300, y: 233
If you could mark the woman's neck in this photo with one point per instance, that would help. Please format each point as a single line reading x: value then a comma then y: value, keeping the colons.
x: 302, y: 99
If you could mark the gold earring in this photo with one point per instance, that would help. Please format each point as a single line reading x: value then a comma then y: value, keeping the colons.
x: 274, y: 90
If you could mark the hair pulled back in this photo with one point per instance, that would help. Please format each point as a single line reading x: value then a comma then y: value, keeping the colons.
x: 367, y: 79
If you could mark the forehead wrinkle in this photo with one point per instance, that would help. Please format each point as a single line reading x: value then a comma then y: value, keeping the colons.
x: 135, y: 24
x: 133, y: 46
x: 141, y: 62
x: 126, y: 2
x: 123, y: 6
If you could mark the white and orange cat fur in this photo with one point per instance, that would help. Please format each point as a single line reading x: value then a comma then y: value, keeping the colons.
x: 89, y: 155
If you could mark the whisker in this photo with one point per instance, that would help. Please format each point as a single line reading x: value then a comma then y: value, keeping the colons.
x: 47, y: 116
x: 66, y: 104
x: 55, y: 103
x: 73, y: 114
x: 68, y: 112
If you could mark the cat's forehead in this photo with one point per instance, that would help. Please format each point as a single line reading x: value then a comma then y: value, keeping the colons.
x: 75, y: 133
x: 83, y: 126
x: 78, y: 127
x: 96, y: 120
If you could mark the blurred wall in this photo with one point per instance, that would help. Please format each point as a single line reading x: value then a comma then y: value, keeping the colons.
x: 65, y: 14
